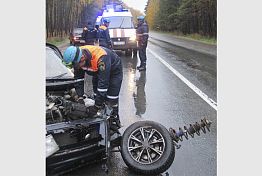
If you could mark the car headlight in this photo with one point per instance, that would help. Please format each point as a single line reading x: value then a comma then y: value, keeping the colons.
x: 132, y: 38
x: 51, y: 145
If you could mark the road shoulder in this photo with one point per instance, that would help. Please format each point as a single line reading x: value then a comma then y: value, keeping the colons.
x: 185, y: 43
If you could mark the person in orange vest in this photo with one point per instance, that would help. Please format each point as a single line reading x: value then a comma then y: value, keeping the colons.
x: 105, y: 67
x: 103, y: 34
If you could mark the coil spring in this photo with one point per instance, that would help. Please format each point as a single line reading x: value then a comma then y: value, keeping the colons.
x: 195, y: 128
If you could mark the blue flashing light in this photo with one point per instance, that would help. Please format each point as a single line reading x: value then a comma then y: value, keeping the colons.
x: 115, y: 7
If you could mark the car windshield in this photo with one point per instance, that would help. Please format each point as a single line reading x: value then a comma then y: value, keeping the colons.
x: 55, y: 69
x: 120, y: 22
x: 78, y: 31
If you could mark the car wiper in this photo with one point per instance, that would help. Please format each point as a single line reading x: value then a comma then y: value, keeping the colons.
x: 58, y: 76
x: 121, y: 23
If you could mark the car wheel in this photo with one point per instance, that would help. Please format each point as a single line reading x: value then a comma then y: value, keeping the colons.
x: 147, y: 148
x: 135, y: 52
x: 128, y: 52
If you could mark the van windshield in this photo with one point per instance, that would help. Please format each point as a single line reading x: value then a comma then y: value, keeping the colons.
x: 120, y: 22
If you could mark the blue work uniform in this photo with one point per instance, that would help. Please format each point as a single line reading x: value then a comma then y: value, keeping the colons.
x: 103, y: 37
x: 142, y: 38
x: 106, y: 69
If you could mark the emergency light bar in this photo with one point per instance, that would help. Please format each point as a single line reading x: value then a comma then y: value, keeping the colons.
x: 115, y: 8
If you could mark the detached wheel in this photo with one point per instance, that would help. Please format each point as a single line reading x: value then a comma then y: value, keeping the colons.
x: 147, y: 148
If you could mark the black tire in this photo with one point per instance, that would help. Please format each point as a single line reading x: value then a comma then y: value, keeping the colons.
x: 135, y: 52
x: 128, y: 52
x: 161, y: 157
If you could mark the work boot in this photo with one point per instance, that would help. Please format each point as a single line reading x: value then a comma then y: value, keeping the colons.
x: 116, y: 121
x: 139, y: 66
x: 114, y: 130
x: 115, y: 140
x: 114, y: 127
x: 142, y: 68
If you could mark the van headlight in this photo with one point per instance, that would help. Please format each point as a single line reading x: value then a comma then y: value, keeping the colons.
x: 51, y: 145
x: 132, y: 38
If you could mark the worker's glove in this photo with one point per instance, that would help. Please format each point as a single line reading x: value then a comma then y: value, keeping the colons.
x: 89, y: 102
x: 93, y: 110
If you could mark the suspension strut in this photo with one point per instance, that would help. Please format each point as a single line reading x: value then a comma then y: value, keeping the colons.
x: 189, y: 131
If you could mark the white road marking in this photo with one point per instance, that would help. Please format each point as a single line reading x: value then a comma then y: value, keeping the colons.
x: 211, y: 102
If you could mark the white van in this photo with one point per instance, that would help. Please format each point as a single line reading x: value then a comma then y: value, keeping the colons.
x: 121, y: 28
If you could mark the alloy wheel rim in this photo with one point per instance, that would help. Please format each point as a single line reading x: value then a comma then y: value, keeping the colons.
x: 146, y: 145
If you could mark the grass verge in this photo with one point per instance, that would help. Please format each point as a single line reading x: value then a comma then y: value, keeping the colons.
x: 57, y: 40
x: 196, y: 37
x: 209, y: 40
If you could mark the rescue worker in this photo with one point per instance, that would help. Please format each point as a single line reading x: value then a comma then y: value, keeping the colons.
x: 103, y: 34
x: 106, y: 68
x: 142, y: 38
x: 90, y: 34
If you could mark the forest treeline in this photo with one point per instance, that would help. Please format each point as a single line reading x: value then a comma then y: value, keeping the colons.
x: 186, y: 16
x: 64, y: 15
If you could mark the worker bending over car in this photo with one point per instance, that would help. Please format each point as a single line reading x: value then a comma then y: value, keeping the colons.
x: 105, y: 67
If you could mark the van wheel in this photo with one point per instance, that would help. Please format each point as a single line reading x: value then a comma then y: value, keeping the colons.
x: 147, y: 148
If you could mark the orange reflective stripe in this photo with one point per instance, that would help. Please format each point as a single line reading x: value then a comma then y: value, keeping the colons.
x: 96, y: 52
x: 103, y: 27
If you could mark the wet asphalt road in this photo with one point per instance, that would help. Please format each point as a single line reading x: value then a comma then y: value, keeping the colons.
x: 161, y: 96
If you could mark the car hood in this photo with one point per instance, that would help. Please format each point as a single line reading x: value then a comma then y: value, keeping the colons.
x: 58, y: 76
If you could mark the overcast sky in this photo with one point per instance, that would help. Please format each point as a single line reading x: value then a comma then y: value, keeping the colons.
x: 136, y: 4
